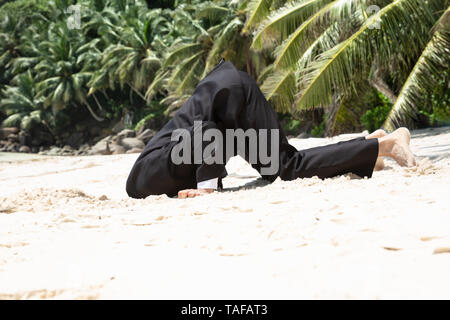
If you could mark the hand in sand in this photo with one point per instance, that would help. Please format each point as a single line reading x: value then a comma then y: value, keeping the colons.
x: 192, y: 193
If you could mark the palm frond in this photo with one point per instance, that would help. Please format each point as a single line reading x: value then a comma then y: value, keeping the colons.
x: 180, y: 52
x: 258, y: 10
x: 183, y: 68
x: 230, y: 33
x: 335, y: 68
x: 280, y: 87
x: 280, y: 24
x: 434, y: 59
x: 157, y: 84
x: 289, y: 52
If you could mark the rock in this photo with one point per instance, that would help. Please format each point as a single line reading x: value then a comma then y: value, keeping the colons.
x: 134, y: 150
x: 117, y: 149
x: 80, y: 153
x: 67, y: 150
x: 5, y: 132
x: 12, y: 147
x: 84, y: 147
x: 130, y: 143
x: 13, y: 137
x: 126, y: 133
x: 25, y: 149
x: 101, y: 147
x: 23, y: 137
x: 54, y: 151
x: 146, y: 135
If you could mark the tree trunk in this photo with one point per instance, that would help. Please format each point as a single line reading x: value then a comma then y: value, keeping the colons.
x: 331, y: 112
x: 378, y: 83
x: 96, y: 117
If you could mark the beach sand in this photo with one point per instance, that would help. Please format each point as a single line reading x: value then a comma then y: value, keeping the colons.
x: 68, y: 230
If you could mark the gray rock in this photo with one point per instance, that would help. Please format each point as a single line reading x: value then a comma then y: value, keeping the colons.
x: 126, y: 133
x: 146, y: 135
x: 25, y: 149
x: 54, y: 151
x: 134, y: 150
x: 11, y: 147
x: 13, y: 137
x: 23, y: 138
x: 5, y: 132
x: 84, y: 147
x: 130, y: 143
x: 117, y: 149
x: 67, y: 148
x: 101, y: 147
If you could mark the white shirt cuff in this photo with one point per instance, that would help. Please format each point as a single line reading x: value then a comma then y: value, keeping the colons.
x: 208, y: 184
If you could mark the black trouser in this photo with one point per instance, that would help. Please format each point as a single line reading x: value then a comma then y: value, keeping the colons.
x: 154, y: 173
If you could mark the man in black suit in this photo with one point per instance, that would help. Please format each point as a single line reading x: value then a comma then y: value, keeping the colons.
x: 229, y: 99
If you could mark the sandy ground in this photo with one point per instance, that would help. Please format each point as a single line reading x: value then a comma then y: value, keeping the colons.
x: 68, y: 230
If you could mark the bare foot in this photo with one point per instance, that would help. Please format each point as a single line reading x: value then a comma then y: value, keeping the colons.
x: 380, y: 133
x: 396, y: 146
x: 191, y: 193
x: 379, y: 165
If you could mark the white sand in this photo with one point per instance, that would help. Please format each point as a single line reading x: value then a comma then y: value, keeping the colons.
x: 68, y: 230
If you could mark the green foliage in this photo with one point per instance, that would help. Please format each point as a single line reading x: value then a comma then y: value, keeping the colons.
x: 333, y: 45
x: 374, y: 118
x: 291, y: 126
x: 437, y: 101
x: 319, y: 130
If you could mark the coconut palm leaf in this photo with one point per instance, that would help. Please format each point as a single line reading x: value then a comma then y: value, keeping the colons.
x: 180, y: 52
x: 280, y: 87
x: 335, y: 68
x: 434, y: 59
x: 290, y: 51
x: 284, y: 21
x: 182, y: 70
x: 258, y: 10
x: 226, y: 37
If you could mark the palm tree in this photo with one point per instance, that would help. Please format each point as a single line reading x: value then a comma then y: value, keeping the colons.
x: 214, y: 30
x: 64, y: 69
x: 20, y: 103
x: 129, y: 57
x: 324, y: 48
x: 10, y: 32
